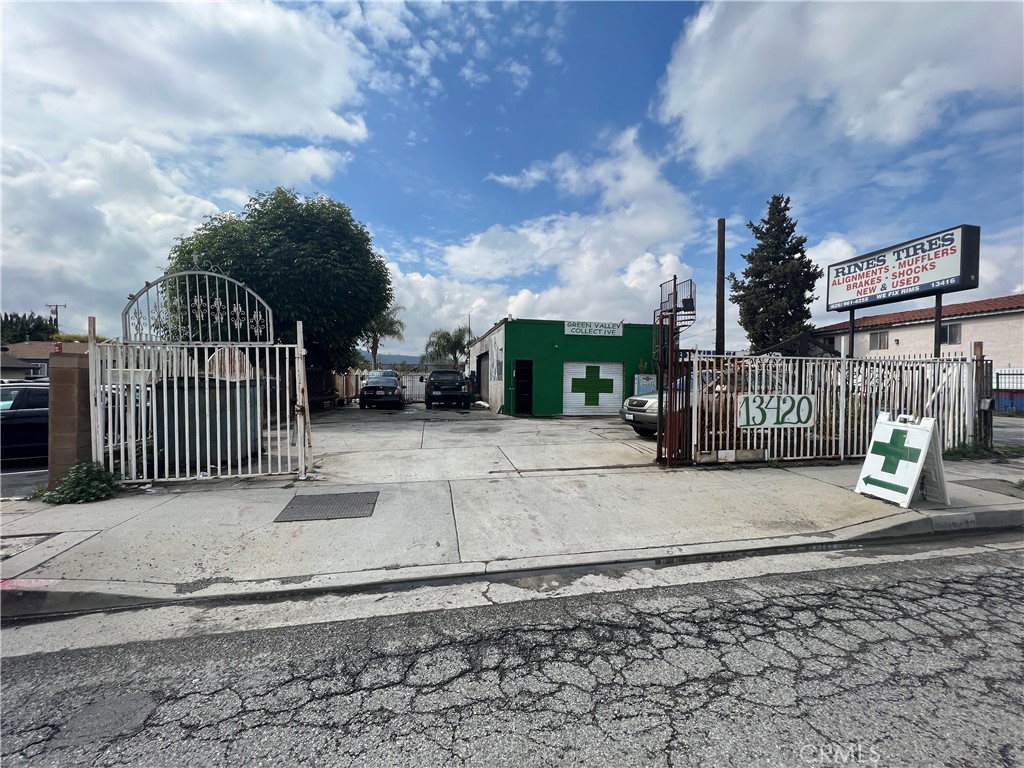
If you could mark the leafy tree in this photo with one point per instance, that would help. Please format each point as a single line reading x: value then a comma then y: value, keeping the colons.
x: 308, y: 259
x: 386, y: 325
x: 448, y: 347
x: 775, y: 294
x: 31, y: 327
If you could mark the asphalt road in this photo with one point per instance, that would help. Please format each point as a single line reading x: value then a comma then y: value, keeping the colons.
x: 1007, y: 430
x: 19, y: 479
x: 913, y: 660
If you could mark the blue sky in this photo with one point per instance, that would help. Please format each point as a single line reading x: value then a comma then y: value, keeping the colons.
x: 536, y: 159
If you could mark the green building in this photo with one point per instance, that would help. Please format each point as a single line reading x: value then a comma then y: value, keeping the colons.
x: 552, y: 367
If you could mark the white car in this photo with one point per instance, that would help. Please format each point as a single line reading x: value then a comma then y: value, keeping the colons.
x: 641, y: 411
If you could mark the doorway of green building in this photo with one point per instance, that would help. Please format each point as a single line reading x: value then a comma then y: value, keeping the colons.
x: 522, y: 374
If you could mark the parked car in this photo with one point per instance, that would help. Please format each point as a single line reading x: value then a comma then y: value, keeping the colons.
x: 24, y: 420
x: 446, y: 387
x: 382, y: 390
x: 641, y: 411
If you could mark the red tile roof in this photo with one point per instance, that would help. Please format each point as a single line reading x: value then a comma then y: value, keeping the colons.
x: 980, y: 307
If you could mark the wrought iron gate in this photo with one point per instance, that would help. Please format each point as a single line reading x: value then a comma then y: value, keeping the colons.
x: 196, y: 386
x: 676, y: 312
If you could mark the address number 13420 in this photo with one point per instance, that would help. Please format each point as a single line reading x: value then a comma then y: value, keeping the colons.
x: 775, y: 411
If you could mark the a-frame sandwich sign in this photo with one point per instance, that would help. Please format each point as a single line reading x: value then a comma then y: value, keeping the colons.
x: 904, y: 459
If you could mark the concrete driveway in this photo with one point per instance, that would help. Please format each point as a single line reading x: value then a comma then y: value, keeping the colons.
x: 352, y: 445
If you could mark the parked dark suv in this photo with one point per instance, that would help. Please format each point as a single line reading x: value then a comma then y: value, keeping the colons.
x: 446, y: 387
x: 24, y: 420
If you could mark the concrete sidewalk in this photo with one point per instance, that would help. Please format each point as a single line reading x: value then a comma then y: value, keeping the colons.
x: 459, y: 494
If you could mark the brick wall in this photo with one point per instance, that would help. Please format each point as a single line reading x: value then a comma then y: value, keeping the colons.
x: 70, y: 434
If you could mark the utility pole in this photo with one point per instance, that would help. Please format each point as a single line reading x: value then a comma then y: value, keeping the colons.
x: 55, y: 314
x: 720, y: 292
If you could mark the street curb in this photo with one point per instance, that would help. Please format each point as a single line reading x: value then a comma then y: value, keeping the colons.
x: 941, y: 523
x: 42, y: 599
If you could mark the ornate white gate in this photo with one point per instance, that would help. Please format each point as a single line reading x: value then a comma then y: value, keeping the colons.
x: 196, y: 386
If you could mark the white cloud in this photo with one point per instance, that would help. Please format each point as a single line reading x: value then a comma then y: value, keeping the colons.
x: 604, y: 265
x: 608, y: 261
x: 386, y: 22
x: 829, y: 251
x: 122, y: 122
x: 744, y: 77
x: 520, y: 74
x: 433, y: 301
x: 168, y: 74
x: 1001, y: 271
x: 524, y: 180
x: 472, y: 75
x: 261, y: 168
x: 89, y: 230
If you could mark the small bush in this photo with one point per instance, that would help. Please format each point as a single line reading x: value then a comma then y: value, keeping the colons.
x: 85, y: 482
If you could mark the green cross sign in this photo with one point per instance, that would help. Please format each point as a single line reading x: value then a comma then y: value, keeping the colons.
x: 895, y: 451
x: 593, y: 386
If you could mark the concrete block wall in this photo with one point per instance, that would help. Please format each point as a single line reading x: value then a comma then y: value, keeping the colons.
x: 70, y: 429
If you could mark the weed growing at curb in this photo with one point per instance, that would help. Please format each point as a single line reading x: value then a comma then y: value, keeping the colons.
x: 964, y: 451
x: 976, y: 451
x: 85, y: 482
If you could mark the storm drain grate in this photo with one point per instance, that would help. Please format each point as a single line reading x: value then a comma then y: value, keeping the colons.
x: 328, y: 506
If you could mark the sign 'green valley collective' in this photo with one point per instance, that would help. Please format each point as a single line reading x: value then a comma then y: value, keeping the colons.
x: 577, y: 328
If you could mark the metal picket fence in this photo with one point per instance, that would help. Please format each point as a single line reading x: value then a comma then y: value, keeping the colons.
x: 786, y: 408
x: 196, y: 386
x: 174, y: 412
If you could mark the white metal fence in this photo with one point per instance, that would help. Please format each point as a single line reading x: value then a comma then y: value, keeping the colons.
x: 170, y: 411
x: 779, y: 408
x: 196, y: 387
x: 351, y: 382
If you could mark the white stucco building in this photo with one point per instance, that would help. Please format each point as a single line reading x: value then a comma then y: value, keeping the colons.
x: 997, y: 323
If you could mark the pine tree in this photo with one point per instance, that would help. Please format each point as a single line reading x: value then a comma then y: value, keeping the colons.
x: 775, y: 294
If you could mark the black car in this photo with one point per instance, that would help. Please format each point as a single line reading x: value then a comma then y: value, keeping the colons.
x: 382, y: 390
x: 24, y: 420
x: 446, y: 387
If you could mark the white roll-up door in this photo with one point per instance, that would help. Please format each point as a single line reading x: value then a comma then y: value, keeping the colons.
x: 591, y: 389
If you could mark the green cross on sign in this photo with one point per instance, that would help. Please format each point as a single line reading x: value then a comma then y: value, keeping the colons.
x: 895, y: 451
x: 592, y: 386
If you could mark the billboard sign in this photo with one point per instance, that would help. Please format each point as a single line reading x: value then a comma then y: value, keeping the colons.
x: 941, y: 262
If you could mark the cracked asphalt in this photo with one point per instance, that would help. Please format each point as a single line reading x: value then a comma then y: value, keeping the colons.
x: 896, y: 664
